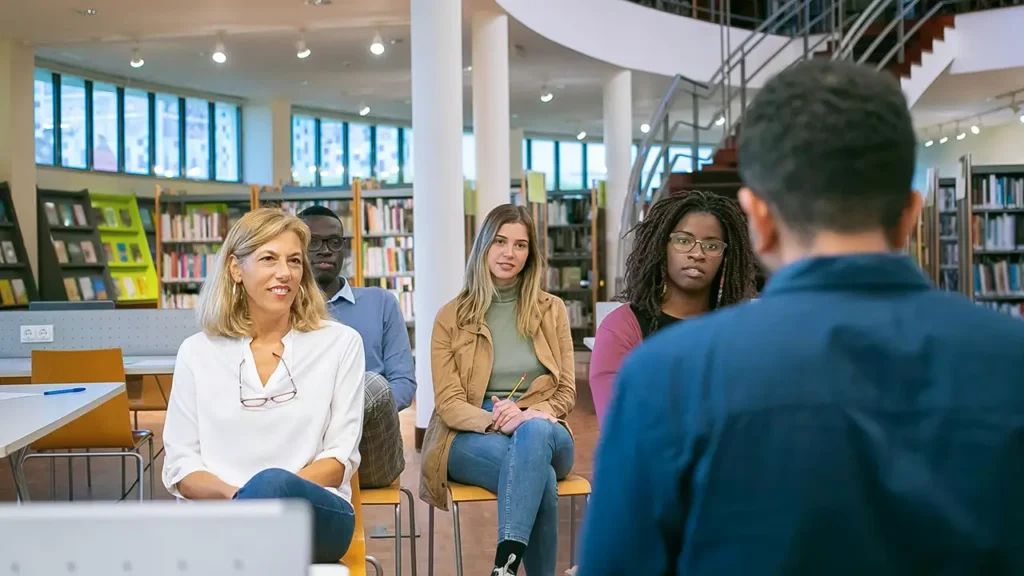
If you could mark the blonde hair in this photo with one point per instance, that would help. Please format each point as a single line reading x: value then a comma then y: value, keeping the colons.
x: 223, y: 309
x: 475, y: 298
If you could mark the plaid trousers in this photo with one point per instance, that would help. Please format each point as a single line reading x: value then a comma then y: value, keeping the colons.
x: 381, y: 450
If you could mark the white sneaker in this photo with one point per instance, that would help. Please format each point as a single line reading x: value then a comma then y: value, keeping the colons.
x: 506, y: 571
x: 571, y: 571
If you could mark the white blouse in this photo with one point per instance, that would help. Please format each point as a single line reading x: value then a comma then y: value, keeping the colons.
x: 208, y: 428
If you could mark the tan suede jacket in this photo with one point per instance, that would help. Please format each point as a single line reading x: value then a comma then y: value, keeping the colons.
x: 460, y: 362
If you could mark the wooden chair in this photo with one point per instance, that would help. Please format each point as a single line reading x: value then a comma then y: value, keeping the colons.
x: 392, y: 496
x: 573, y: 486
x: 356, y: 558
x: 107, y: 428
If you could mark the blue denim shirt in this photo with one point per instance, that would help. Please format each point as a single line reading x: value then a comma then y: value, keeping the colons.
x: 374, y: 313
x: 854, y: 420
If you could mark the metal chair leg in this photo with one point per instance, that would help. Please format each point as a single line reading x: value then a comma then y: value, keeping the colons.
x: 572, y: 531
x: 88, y: 472
x: 124, y: 477
x: 458, y: 539
x: 53, y: 479
x: 152, y: 470
x: 430, y: 540
x: 398, y: 539
x: 412, y: 528
x: 71, y: 481
x: 142, y: 472
x: 377, y: 568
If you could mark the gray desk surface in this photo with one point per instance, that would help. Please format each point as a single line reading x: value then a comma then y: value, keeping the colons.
x: 133, y: 366
x: 25, y: 420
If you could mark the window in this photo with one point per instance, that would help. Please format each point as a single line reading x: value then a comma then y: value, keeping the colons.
x: 387, y: 154
x: 597, y: 169
x: 332, y: 153
x: 468, y: 157
x: 542, y: 159
x: 104, y: 127
x: 652, y: 164
x: 526, y: 154
x: 72, y: 122
x: 304, y: 150
x: 226, y: 143
x: 679, y: 159
x: 167, y: 137
x: 43, y: 90
x: 570, y: 166
x: 197, y: 139
x: 359, y: 151
x: 136, y: 131
x: 407, y: 172
x: 706, y: 155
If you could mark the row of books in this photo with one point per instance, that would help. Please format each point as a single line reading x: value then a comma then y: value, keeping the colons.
x: 65, y: 214
x: 4, y: 218
x: 13, y: 292
x: 131, y: 287
x: 198, y: 225
x: 950, y: 254
x: 72, y: 252
x: 173, y: 301
x: 998, y: 232
x: 566, y: 278
x: 574, y: 240
x: 402, y: 288
x: 949, y: 280
x: 392, y: 256
x: 579, y: 315
x: 568, y: 211
x: 343, y: 208
x: 8, y: 255
x: 999, y: 278
x: 947, y: 198
x: 85, y: 288
x: 1013, y: 309
x: 947, y: 225
x: 392, y: 216
x: 189, y: 265
x: 123, y: 252
x: 998, y: 192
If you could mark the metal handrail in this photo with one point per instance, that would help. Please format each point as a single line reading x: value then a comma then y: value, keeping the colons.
x: 858, y: 29
x: 910, y: 34
x: 898, y: 20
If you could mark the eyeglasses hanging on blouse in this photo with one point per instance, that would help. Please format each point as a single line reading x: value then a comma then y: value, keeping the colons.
x: 277, y: 398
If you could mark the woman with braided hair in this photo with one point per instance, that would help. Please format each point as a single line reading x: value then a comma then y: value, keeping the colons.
x: 691, y: 255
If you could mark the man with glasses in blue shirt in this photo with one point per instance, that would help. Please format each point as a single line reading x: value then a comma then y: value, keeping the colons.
x: 374, y: 313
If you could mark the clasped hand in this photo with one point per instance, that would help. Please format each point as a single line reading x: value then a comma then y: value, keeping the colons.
x: 506, y: 416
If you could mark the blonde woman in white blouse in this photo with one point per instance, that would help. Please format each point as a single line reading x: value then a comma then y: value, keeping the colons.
x: 267, y: 400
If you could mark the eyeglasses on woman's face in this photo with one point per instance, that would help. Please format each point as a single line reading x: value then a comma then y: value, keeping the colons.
x: 334, y: 243
x: 684, y: 243
x: 277, y: 398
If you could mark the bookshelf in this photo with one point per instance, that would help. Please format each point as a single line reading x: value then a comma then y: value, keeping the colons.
x: 17, y: 285
x: 147, y: 213
x: 122, y: 227
x: 572, y: 227
x: 189, y: 232
x: 991, y: 215
x: 386, y: 245
x: 72, y: 265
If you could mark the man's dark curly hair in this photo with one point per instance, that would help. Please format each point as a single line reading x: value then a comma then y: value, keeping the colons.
x: 647, y: 264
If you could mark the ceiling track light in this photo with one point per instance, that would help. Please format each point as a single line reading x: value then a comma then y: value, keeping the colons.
x: 960, y: 135
x: 645, y: 128
x: 944, y: 139
x: 377, y: 46
x: 546, y: 95
x: 363, y: 109
x: 219, y: 55
x: 301, y: 50
x: 137, y: 61
x: 720, y: 121
x: 581, y: 135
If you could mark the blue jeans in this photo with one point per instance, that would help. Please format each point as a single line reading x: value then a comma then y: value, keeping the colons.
x: 333, y: 518
x: 523, y: 470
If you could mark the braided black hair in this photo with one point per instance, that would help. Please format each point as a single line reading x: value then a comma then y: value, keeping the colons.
x: 647, y: 264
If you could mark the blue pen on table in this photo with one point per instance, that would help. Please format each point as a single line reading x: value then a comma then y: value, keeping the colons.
x: 63, y: 391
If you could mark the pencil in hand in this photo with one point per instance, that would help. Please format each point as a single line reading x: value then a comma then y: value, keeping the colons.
x: 518, y: 384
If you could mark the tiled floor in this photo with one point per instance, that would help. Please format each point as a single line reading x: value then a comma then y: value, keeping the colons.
x: 478, y: 520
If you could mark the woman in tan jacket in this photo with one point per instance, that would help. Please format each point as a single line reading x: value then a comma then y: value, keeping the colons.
x: 502, y: 330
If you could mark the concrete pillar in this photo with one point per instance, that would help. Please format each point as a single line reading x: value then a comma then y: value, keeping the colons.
x: 618, y: 137
x: 490, y: 111
x: 436, y: 45
x: 17, y: 137
x: 266, y: 143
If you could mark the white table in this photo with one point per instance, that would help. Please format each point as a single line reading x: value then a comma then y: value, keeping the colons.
x: 589, y: 342
x: 133, y: 366
x: 25, y: 420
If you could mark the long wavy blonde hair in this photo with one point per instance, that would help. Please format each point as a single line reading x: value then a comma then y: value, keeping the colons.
x: 478, y: 290
x: 223, y: 309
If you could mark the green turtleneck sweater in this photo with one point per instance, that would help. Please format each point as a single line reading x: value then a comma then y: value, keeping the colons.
x: 513, y: 355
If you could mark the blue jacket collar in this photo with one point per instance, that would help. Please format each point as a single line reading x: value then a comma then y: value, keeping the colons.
x: 857, y: 272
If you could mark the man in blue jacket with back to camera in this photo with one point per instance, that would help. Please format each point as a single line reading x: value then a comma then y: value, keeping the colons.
x: 854, y: 420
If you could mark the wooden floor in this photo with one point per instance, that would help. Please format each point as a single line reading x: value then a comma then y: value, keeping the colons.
x: 479, y: 521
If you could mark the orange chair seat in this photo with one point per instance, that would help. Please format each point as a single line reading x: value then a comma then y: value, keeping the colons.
x: 388, y: 495
x: 355, y: 557
x: 573, y: 485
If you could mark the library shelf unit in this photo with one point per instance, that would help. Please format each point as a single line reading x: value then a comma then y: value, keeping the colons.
x: 125, y: 246
x: 147, y: 213
x: 572, y: 232
x: 934, y: 243
x: 991, y: 218
x: 72, y: 265
x: 17, y: 284
x: 189, y: 232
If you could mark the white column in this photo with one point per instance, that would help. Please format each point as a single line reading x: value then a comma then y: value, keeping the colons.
x: 618, y: 138
x: 267, y: 143
x: 17, y: 137
x: 515, y: 153
x: 490, y: 111
x: 436, y: 45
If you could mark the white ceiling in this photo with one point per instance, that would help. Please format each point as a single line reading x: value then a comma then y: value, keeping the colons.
x: 956, y: 96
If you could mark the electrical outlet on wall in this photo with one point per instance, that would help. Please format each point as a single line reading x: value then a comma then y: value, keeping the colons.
x: 37, y: 333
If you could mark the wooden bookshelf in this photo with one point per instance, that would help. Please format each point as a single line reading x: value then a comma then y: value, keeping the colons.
x: 17, y: 284
x: 991, y: 216
x: 385, y: 260
x: 147, y: 212
x: 189, y: 231
x: 72, y: 265
x: 122, y: 229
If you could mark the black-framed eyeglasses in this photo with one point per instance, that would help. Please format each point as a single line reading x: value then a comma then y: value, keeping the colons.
x: 334, y: 243
x: 277, y: 398
x: 684, y: 243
